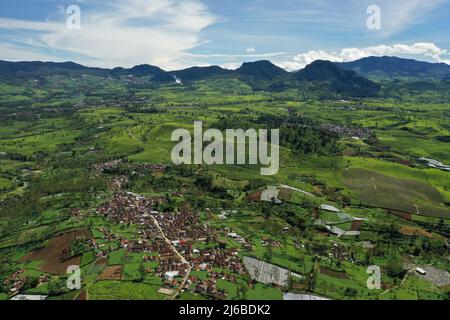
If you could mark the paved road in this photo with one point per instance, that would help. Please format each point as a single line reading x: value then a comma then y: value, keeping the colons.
x: 183, y: 260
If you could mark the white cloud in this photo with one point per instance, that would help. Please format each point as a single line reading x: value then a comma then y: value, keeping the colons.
x: 159, y: 32
x: 424, y: 49
x: 346, y: 15
x: 12, y: 53
x: 250, y: 50
x: 230, y: 66
x: 247, y: 55
x: 400, y: 14
x: 13, y: 24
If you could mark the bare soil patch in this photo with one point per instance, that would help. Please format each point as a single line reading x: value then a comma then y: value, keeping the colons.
x: 333, y: 273
x: 401, y: 214
x: 285, y: 194
x: 414, y: 231
x: 255, y: 196
x: 356, y: 225
x: 112, y: 273
x: 56, y: 254
x: 101, y: 261
x: 82, y: 296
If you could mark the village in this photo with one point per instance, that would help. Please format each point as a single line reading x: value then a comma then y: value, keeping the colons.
x: 170, y: 239
x: 201, y: 252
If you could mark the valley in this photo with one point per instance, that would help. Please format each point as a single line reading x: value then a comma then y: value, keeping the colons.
x: 86, y: 178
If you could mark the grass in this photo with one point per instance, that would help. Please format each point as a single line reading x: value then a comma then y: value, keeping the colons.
x: 263, y: 292
x: 87, y: 258
x: 123, y: 290
x: 436, y: 178
x: 203, y: 275
x: 116, y: 257
x: 414, y: 289
x: 416, y: 145
x: 230, y: 288
x: 40, y: 142
x: 380, y: 190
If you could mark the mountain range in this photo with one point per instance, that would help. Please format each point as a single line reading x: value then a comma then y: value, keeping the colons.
x: 380, y: 68
x: 358, y: 78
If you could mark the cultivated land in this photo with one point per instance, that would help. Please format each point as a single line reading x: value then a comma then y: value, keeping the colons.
x: 86, y: 179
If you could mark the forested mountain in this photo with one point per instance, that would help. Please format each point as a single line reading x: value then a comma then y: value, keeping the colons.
x: 393, y: 67
x: 361, y: 78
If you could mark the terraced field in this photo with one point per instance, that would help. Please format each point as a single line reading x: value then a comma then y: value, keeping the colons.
x: 378, y: 190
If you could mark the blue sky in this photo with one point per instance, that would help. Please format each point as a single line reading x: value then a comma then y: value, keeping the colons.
x: 175, y: 34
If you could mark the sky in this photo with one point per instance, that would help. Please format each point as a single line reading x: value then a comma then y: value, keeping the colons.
x: 175, y: 34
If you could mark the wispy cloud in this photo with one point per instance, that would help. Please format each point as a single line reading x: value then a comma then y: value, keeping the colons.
x: 243, y: 55
x: 422, y: 50
x: 345, y: 15
x: 159, y: 32
x: 401, y: 14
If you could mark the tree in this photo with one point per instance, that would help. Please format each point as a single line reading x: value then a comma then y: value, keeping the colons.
x: 141, y: 272
x: 57, y: 287
x: 268, y: 253
x: 77, y: 247
x: 242, y: 292
x: 267, y: 210
x: 351, y: 292
x: 395, y: 268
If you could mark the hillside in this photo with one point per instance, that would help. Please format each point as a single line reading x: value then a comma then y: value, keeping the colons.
x: 336, y: 79
x: 193, y: 74
x: 323, y: 79
x: 261, y: 70
x: 33, y: 69
x: 394, y: 68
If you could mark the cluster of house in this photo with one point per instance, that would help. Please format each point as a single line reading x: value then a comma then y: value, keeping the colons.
x: 101, y: 167
x: 117, y: 183
x: 16, y: 281
x: 357, y: 132
x: 155, y: 167
x: 137, y: 246
x: 183, y: 226
x: 238, y: 238
x: 209, y: 286
x: 128, y: 208
x: 265, y: 242
x: 169, y: 269
x: 169, y: 239
x: 208, y: 259
x: 77, y: 213
x: 338, y: 252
